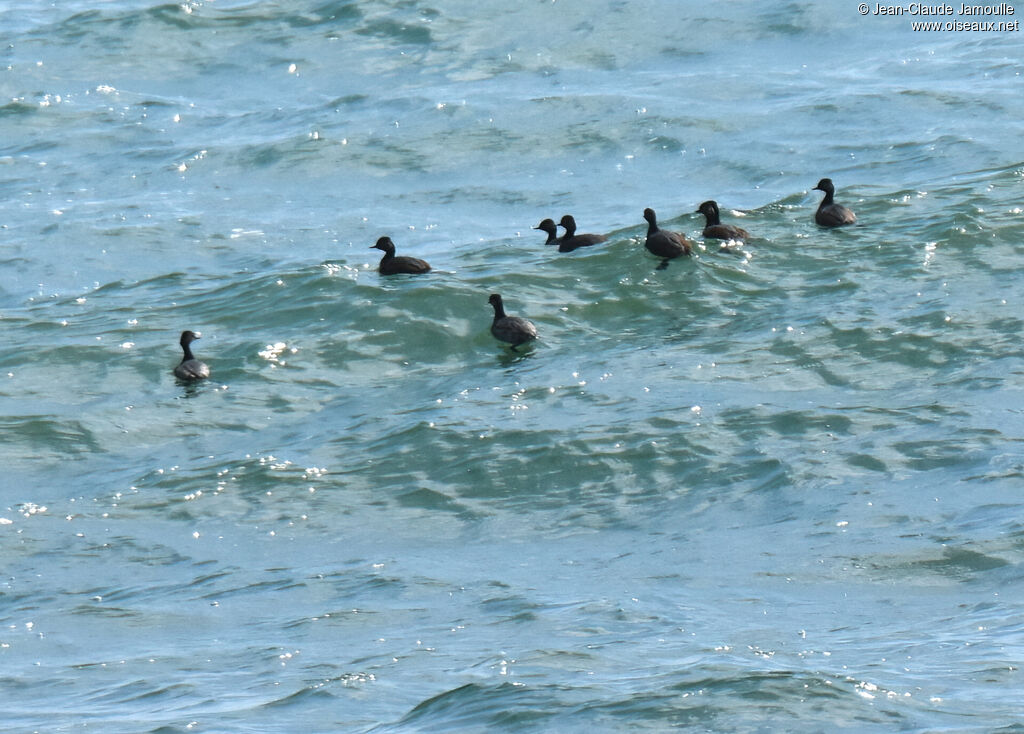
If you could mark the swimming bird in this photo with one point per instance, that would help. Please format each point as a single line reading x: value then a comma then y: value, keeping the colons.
x: 391, y: 265
x: 661, y: 242
x: 830, y: 214
x: 570, y: 240
x: 511, y: 329
x: 190, y: 368
x: 713, y: 227
x: 549, y: 226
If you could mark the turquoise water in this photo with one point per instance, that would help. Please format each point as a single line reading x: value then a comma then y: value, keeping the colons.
x: 768, y: 489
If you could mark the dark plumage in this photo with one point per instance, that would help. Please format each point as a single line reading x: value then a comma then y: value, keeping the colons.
x: 511, y: 329
x: 830, y: 214
x: 190, y: 368
x: 713, y: 227
x: 391, y: 265
x: 661, y: 242
x: 570, y: 240
x: 549, y: 226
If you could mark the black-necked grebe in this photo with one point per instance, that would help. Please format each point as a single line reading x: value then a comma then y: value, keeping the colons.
x: 571, y: 241
x: 713, y: 227
x: 829, y: 213
x: 190, y: 368
x: 549, y: 226
x: 511, y: 329
x: 661, y: 242
x: 392, y: 265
